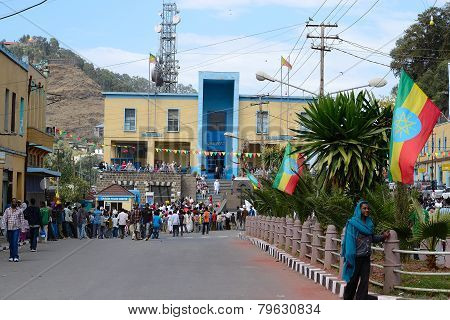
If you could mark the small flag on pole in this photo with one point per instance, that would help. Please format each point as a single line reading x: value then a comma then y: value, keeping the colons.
x: 255, y: 183
x: 152, y: 58
x: 285, y: 63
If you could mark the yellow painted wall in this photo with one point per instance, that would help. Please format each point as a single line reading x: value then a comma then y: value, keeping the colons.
x: 281, y: 119
x: 441, y: 157
x: 14, y: 78
x: 146, y: 120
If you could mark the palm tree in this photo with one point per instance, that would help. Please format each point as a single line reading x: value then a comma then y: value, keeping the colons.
x: 429, y: 231
x: 347, y: 137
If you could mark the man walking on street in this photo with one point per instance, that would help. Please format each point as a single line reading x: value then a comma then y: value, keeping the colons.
x: 32, y: 215
x: 135, y: 220
x: 13, y: 222
x: 205, y: 222
x: 147, y: 217
x: 123, y: 218
x: 181, y: 218
x: 82, y: 219
x: 96, y: 222
x: 175, y: 224
x: 45, y: 218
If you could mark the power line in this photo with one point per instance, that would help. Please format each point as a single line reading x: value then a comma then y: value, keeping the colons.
x: 363, y: 15
x: 365, y: 59
x: 20, y: 11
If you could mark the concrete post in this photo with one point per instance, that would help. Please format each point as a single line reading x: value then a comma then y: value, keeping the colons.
x: 341, y: 259
x: 277, y: 232
x: 255, y: 231
x: 247, y: 226
x: 259, y: 232
x: 447, y: 249
x: 391, y: 262
x: 330, y: 246
x: 271, y: 229
x: 264, y: 231
x: 282, y: 232
x: 296, y: 236
x: 306, y: 228
x: 288, y: 242
x: 316, y: 242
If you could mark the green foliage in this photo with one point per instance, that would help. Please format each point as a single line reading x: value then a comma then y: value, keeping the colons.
x: 348, y: 138
x: 73, y: 190
x: 273, y: 156
x: 73, y: 184
x: 39, y: 49
x: 430, y: 231
x: 423, y: 52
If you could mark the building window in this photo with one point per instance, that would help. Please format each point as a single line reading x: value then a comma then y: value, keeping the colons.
x: 13, y: 113
x: 173, y: 120
x: 6, y: 109
x: 130, y: 120
x: 262, y: 122
x: 439, y: 144
x: 445, y: 143
x: 21, y: 114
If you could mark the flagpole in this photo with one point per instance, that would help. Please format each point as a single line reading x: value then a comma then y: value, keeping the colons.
x: 287, y: 117
x: 281, y: 100
x: 148, y: 94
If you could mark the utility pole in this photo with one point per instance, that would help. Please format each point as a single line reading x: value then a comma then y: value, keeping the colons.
x: 261, y: 124
x: 322, y: 48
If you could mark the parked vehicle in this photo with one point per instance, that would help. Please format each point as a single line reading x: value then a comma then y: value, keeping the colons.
x: 437, y: 192
x: 446, y: 194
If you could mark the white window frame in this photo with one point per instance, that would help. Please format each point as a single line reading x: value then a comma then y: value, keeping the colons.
x: 124, y: 120
x: 178, y: 126
x: 257, y: 121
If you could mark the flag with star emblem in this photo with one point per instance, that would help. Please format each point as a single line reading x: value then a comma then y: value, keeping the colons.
x: 414, y: 118
x: 290, y: 170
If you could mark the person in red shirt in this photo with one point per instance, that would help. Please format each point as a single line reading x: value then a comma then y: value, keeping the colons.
x: 214, y: 221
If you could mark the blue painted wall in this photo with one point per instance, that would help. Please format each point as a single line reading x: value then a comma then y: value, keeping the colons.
x: 218, y: 92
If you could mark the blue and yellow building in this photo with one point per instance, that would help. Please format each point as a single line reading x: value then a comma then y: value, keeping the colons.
x: 434, y: 160
x: 197, y: 131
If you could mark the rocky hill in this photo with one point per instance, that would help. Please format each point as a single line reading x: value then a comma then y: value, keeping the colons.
x: 75, y: 103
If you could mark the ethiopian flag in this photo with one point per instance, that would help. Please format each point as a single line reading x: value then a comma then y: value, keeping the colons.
x: 255, y: 183
x: 288, y: 175
x: 414, y: 119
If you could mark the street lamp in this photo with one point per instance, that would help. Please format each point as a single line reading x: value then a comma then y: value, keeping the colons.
x: 262, y: 76
x: 374, y: 83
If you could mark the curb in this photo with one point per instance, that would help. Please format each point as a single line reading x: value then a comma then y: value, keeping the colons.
x: 330, y: 281
x: 6, y: 246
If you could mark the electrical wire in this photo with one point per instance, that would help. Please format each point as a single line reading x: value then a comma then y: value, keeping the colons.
x: 362, y: 58
x: 362, y: 16
x: 20, y: 11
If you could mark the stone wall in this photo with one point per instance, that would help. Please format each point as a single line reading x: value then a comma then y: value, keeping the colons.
x: 143, y: 181
x: 188, y: 186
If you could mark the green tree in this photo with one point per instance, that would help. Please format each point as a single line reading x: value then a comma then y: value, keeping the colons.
x: 423, y: 52
x: 347, y: 138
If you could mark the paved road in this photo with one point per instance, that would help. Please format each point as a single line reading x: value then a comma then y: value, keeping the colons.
x: 219, y: 266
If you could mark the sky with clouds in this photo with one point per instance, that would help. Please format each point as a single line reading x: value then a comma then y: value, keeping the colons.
x: 110, y: 32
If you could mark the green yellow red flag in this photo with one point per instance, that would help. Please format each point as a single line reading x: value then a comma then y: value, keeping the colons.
x: 289, y: 172
x: 415, y: 116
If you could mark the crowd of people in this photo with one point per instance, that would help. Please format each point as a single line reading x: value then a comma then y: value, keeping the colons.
x: 166, y: 167
x: 53, y: 222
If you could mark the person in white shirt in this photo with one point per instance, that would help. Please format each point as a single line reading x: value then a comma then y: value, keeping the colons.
x: 175, y: 224
x: 68, y: 221
x: 216, y: 186
x: 115, y: 221
x: 123, y: 218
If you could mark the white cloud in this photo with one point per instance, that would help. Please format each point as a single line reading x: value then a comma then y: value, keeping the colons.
x: 249, y: 55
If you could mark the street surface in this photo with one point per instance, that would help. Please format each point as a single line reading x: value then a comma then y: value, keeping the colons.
x: 218, y: 266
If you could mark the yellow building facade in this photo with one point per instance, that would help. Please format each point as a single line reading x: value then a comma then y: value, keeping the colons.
x: 202, y: 132
x: 23, y: 138
x: 13, y: 122
x: 434, y: 160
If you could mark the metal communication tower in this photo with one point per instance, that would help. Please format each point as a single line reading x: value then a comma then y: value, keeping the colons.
x: 168, y: 64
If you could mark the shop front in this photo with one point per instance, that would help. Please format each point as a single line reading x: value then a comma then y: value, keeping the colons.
x: 115, y: 197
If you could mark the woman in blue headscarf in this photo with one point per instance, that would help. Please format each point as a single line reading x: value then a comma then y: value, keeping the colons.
x: 356, y: 250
